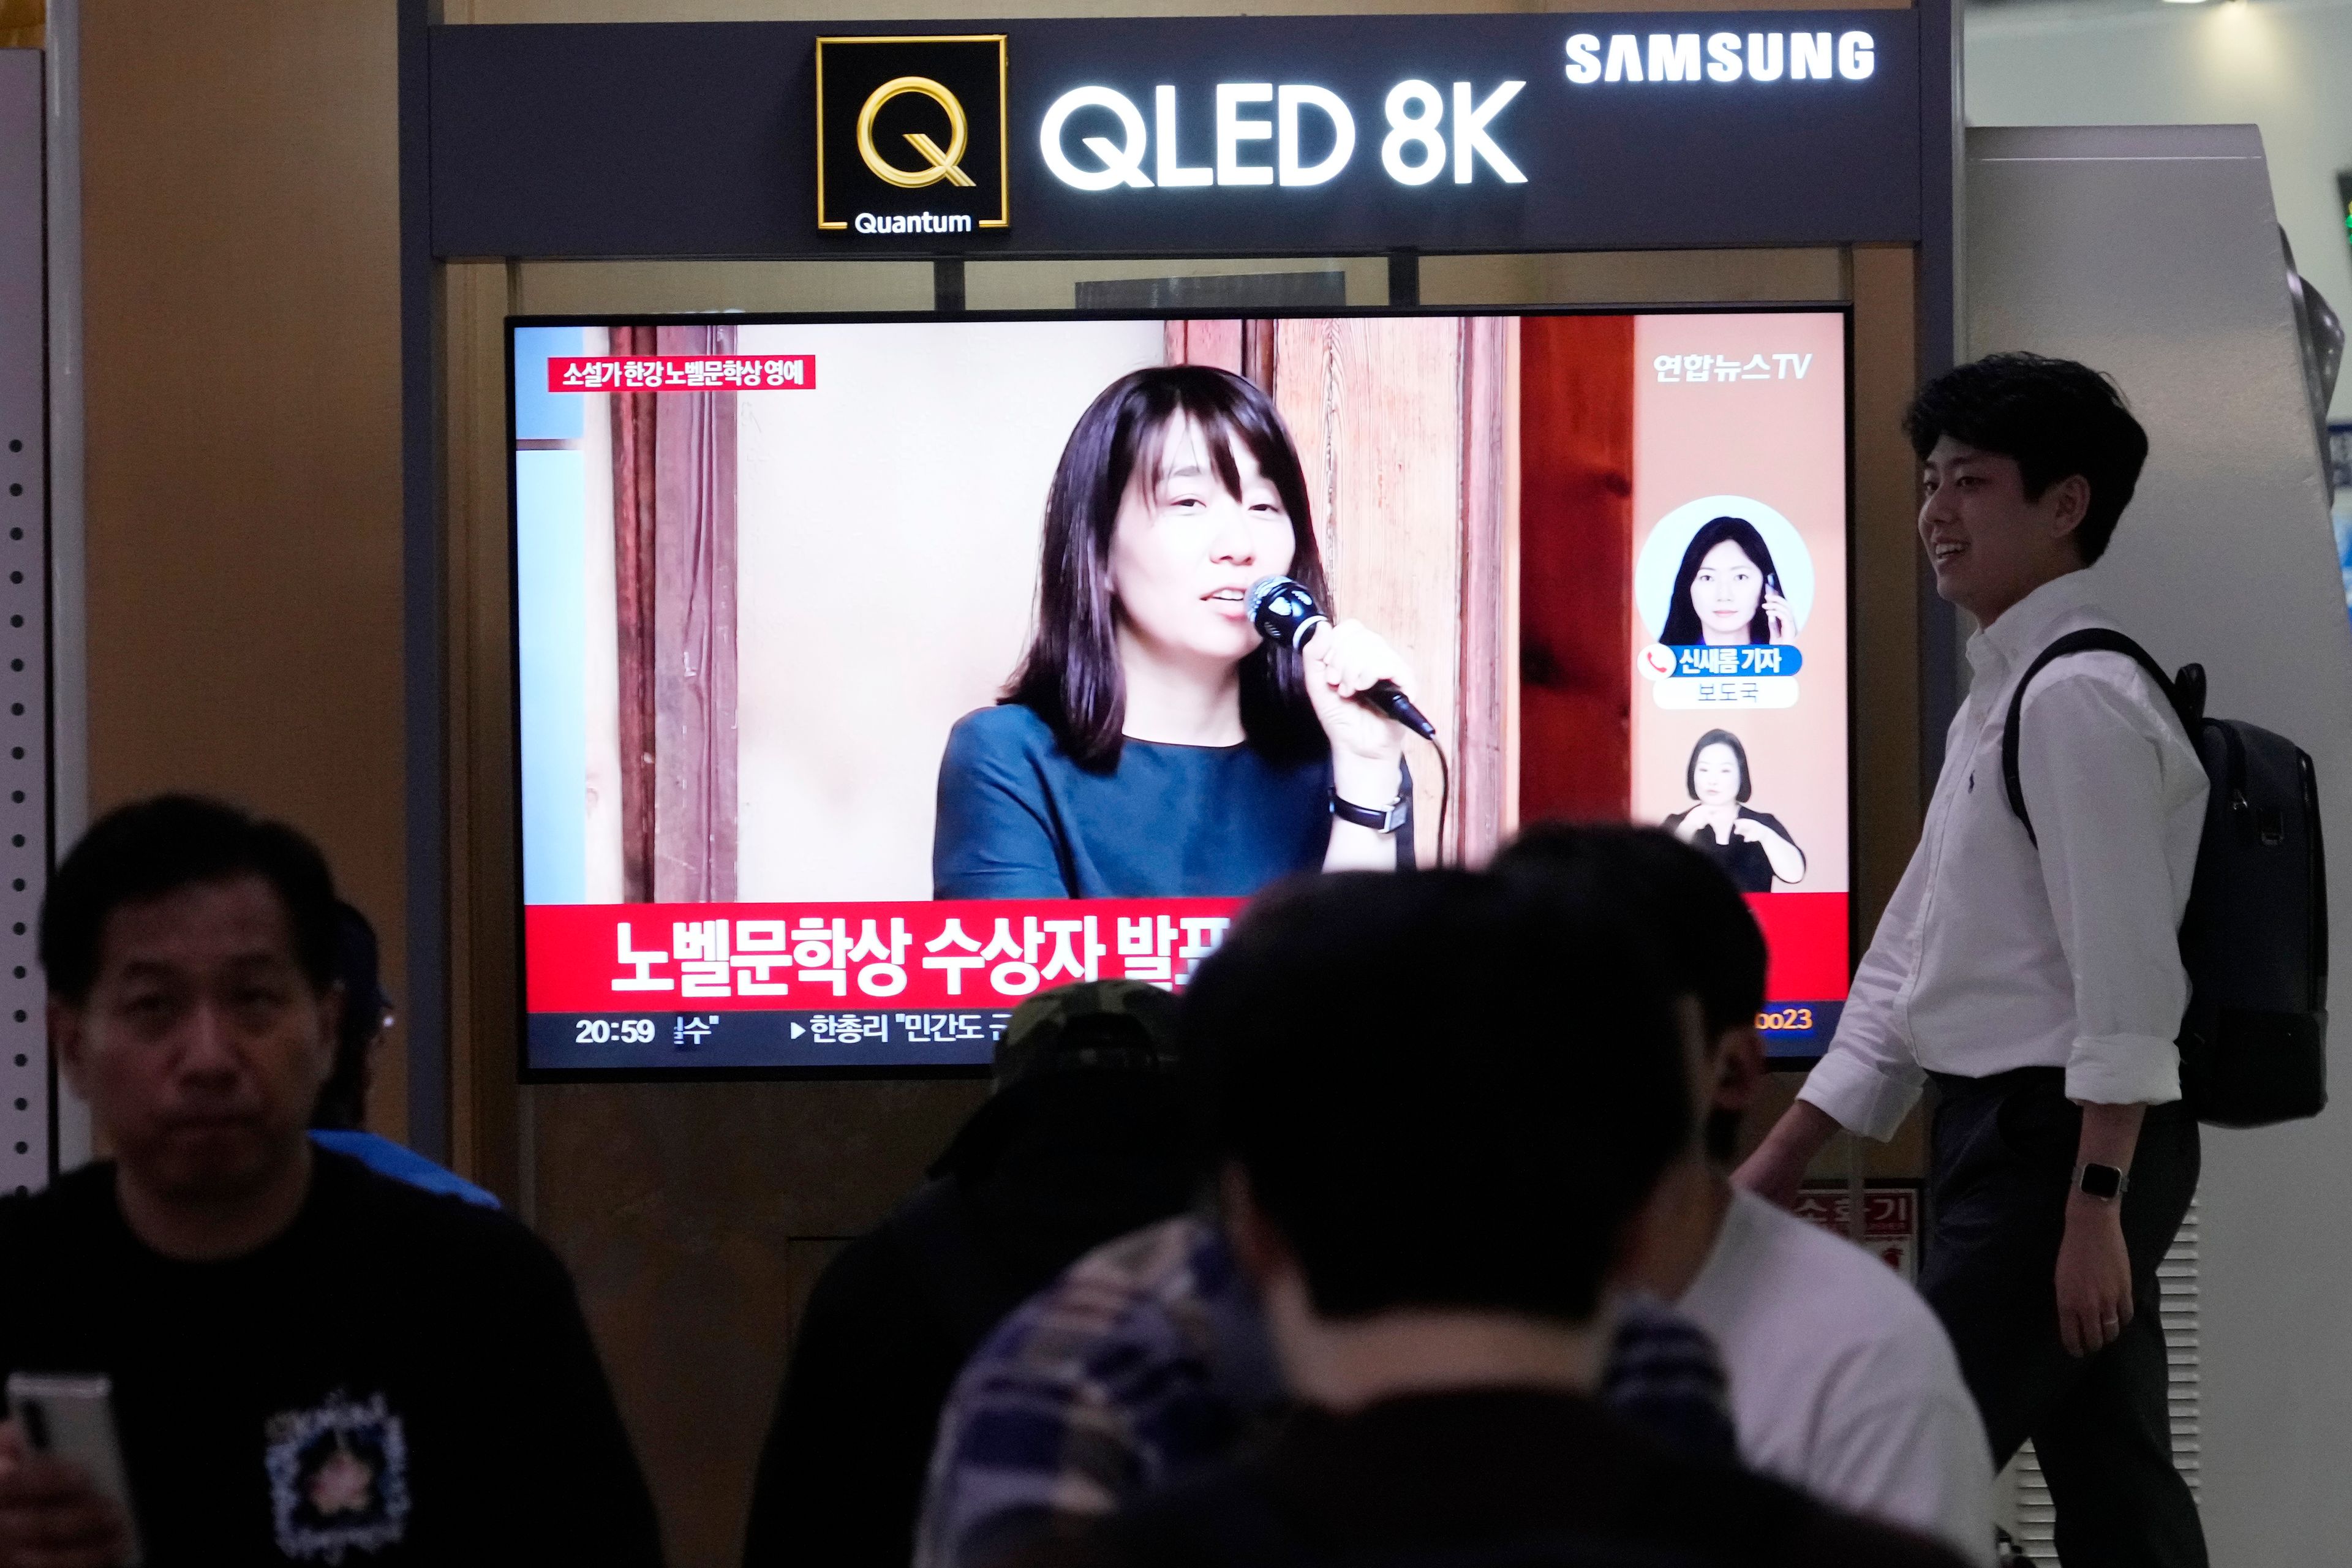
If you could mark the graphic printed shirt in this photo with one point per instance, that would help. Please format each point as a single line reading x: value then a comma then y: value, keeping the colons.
x: 398, y: 1378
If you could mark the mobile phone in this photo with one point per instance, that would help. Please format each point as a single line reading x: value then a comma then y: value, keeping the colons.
x: 73, y: 1419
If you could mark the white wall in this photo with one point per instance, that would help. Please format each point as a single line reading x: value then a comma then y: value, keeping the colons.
x: 888, y: 530
x: 2149, y: 253
x: 2282, y: 65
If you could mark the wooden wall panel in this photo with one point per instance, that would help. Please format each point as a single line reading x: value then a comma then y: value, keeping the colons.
x: 1888, y: 802
x: 1486, y: 735
x: 484, y: 864
x: 241, y: 312
x: 1576, y: 551
x: 1368, y: 404
x: 696, y: 1217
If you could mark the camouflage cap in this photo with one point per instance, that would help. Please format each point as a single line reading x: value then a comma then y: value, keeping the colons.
x: 1094, y: 1024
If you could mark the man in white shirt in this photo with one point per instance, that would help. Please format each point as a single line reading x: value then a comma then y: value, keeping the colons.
x: 2037, y: 977
x: 1841, y: 1381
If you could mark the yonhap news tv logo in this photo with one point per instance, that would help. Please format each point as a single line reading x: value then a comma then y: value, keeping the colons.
x: 910, y: 135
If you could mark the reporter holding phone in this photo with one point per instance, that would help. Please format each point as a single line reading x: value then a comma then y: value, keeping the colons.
x: 309, y: 1361
x: 1727, y: 591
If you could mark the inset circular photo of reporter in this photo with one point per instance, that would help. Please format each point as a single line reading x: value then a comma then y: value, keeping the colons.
x: 1723, y: 569
x: 1752, y: 846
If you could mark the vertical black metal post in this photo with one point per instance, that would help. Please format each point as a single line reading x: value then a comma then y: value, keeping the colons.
x: 1404, y: 278
x: 425, y: 1009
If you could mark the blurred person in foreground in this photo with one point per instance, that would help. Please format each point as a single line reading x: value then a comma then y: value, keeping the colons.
x: 1149, y: 1361
x: 1842, y: 1381
x: 340, y: 1121
x: 1431, y: 1210
x: 1087, y: 1136
x: 311, y: 1361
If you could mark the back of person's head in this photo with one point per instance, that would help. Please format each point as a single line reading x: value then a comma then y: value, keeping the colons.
x: 2054, y: 417
x: 343, y: 1103
x: 1446, y: 1090
x: 1094, y: 1024
x: 152, y: 848
x: 1706, y: 940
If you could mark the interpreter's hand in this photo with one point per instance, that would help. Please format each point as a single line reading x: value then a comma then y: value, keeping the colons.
x: 1724, y: 819
x: 1742, y: 828
x: 1779, y: 624
x: 1341, y: 662
x: 2095, y: 1284
x: 50, y: 1516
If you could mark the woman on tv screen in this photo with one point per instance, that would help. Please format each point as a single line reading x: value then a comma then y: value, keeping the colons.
x: 1726, y: 590
x: 1151, y: 744
x: 1751, y: 846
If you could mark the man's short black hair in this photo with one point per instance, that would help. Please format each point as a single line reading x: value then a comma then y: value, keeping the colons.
x: 2053, y: 417
x: 1448, y: 1090
x: 152, y: 848
x: 1706, y: 940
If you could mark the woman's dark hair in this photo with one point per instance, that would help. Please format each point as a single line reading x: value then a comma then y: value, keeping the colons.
x: 1682, y: 619
x: 2051, y: 417
x: 152, y: 848
x: 1071, y: 677
x: 1739, y: 752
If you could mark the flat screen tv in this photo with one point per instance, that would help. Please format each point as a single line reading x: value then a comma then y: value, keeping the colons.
x: 872, y: 675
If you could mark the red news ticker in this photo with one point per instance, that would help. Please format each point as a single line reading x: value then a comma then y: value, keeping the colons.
x: 683, y: 372
x: 964, y: 953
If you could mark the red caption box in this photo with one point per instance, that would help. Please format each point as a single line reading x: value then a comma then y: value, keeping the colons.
x: 683, y: 372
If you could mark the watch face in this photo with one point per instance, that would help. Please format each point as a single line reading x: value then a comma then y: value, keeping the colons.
x: 2102, y: 1181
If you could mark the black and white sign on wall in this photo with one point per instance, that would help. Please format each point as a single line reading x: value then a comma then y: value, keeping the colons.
x: 1165, y: 136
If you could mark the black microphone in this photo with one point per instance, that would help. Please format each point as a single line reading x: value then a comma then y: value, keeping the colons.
x: 1283, y: 611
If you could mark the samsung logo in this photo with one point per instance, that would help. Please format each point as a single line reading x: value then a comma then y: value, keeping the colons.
x: 914, y: 223
x: 1721, y: 57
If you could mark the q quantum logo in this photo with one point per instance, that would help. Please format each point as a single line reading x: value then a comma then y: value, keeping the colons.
x: 911, y: 135
x: 1286, y: 135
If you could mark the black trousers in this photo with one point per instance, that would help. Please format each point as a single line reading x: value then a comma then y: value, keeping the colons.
x: 2003, y: 1157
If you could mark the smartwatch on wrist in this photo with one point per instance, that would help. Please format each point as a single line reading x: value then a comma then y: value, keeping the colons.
x: 1379, y: 821
x: 2104, y: 1182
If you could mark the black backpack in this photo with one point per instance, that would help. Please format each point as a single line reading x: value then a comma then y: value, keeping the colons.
x: 2253, y: 1045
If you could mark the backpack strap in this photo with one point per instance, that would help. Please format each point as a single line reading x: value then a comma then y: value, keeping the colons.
x: 2092, y: 639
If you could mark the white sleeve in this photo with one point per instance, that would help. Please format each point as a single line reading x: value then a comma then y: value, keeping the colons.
x: 2092, y: 763
x: 1867, y: 1081
x: 1914, y: 1457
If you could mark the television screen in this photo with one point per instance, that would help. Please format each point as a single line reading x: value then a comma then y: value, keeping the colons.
x: 874, y: 675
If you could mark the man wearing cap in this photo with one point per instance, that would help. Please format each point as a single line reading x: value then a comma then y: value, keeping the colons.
x: 1086, y: 1136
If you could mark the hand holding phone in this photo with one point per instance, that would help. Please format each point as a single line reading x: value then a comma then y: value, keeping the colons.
x: 1776, y: 609
x: 63, y: 1500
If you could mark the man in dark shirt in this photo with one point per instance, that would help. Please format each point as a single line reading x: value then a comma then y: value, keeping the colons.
x: 310, y: 1362
x: 1431, y: 1208
x: 1087, y: 1137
